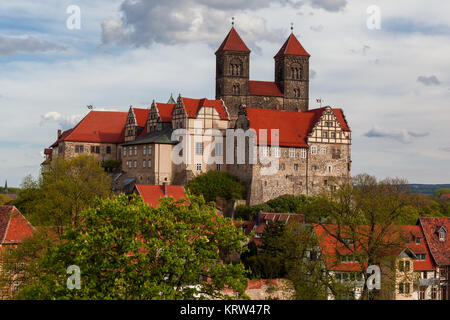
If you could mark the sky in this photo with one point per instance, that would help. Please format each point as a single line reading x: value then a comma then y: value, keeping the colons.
x: 385, y: 63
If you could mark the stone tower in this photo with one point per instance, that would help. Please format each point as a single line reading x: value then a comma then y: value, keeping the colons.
x: 292, y: 74
x: 232, y: 72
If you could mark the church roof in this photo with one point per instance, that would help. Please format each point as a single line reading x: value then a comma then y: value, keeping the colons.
x: 165, y: 111
x: 233, y: 42
x: 264, y: 88
x: 292, y: 47
x: 141, y: 116
x: 293, y: 126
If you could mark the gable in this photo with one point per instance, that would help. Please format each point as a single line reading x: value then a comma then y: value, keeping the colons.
x: 329, y: 126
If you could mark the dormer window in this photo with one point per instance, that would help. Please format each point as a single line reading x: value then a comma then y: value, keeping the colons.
x: 442, y: 235
x: 417, y: 240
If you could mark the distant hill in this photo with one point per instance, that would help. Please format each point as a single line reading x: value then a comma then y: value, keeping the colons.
x: 427, y: 188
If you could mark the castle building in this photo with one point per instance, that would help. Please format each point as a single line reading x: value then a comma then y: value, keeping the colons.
x: 289, y: 91
x: 314, y: 145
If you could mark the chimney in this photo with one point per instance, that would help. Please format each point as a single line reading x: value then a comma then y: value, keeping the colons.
x: 164, y: 187
x: 59, y: 133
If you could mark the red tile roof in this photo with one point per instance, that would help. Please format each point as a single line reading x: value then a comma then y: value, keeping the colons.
x: 141, y: 116
x: 100, y: 127
x: 233, y: 42
x: 331, y: 248
x: 48, y: 151
x: 192, y: 106
x: 165, y: 111
x: 292, y: 47
x: 153, y: 193
x: 288, y: 218
x: 445, y: 195
x: 440, y: 250
x: 13, y: 226
x: 264, y: 88
x: 293, y: 127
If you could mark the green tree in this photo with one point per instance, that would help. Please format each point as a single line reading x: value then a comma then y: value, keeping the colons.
x: 64, y: 188
x: 215, y: 184
x: 126, y: 249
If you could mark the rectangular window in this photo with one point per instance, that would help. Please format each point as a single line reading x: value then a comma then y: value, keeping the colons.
x: 149, y: 150
x: 292, y: 152
x: 407, y: 266
x: 218, y: 167
x: 323, y: 151
x: 406, y: 288
x: 199, y: 148
x: 135, y: 150
x: 124, y: 151
x: 130, y: 151
x: 401, y: 288
x: 433, y: 293
x: 333, y: 135
x: 218, y: 149
x: 313, y: 168
x: 422, y: 293
x: 199, y: 167
x: 149, y: 163
x: 303, y: 153
x: 401, y: 266
x: 135, y: 163
x: 144, y: 150
x: 313, y: 150
x: 276, y: 152
x: 324, y: 134
x: 108, y: 149
x: 296, y: 167
x: 143, y: 164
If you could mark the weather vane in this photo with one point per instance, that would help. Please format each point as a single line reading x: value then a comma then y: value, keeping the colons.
x: 292, y: 27
x: 232, y: 21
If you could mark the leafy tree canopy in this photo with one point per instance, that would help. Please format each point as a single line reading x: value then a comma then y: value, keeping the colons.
x: 215, y: 184
x: 126, y: 249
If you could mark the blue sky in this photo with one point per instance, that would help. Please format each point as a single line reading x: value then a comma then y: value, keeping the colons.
x: 393, y: 83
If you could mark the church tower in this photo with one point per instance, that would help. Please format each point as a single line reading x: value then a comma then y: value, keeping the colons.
x: 292, y: 74
x: 232, y: 72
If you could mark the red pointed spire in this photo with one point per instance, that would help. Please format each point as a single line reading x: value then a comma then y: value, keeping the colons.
x: 233, y: 42
x: 292, y: 47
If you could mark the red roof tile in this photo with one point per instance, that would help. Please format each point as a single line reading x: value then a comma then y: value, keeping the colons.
x: 264, y: 88
x: 440, y: 250
x: 331, y: 247
x: 293, y: 127
x: 165, y: 111
x: 292, y: 47
x: 192, y: 106
x: 13, y: 226
x: 445, y: 195
x: 141, y: 116
x: 153, y: 193
x: 233, y: 42
x: 99, y: 126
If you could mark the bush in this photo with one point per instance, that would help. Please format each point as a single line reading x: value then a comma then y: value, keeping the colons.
x: 215, y: 184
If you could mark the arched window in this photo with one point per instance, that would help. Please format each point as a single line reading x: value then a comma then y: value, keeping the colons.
x: 236, y: 88
x: 296, y: 71
x: 236, y: 67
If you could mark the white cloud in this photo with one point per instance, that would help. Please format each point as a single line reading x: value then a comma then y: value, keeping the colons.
x: 64, y: 121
